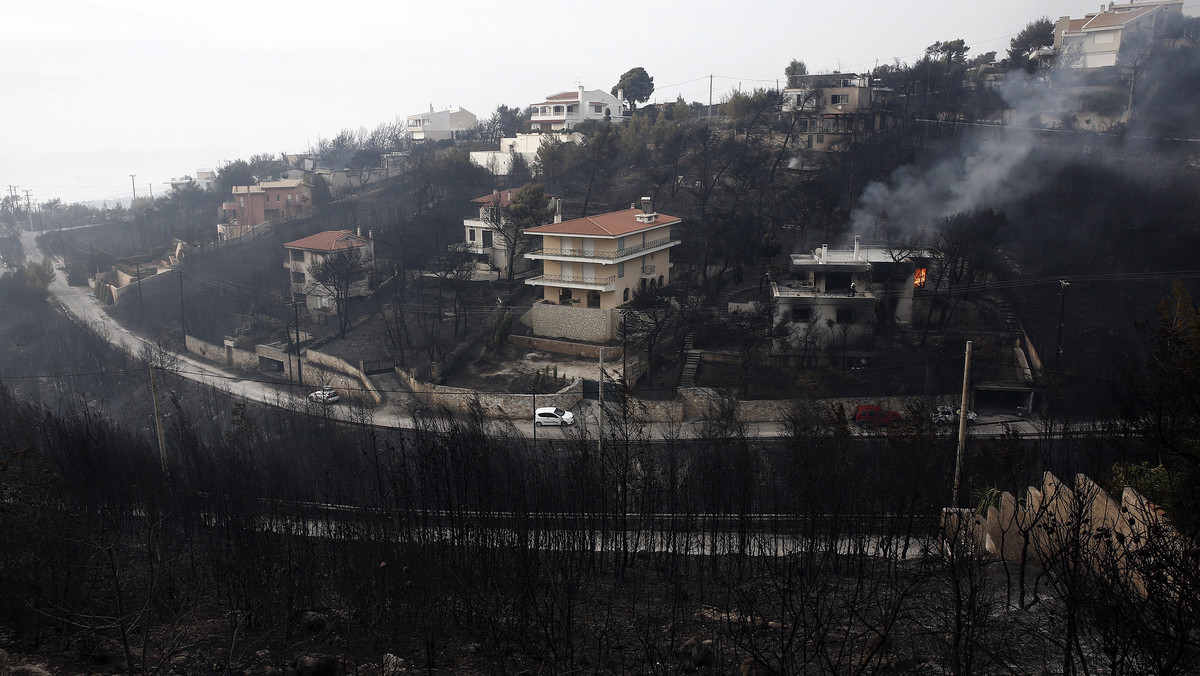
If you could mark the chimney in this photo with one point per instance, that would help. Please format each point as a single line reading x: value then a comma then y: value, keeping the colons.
x: 856, y: 239
x: 647, y: 207
x: 358, y: 231
x: 824, y: 252
x: 431, y: 107
x: 558, y: 210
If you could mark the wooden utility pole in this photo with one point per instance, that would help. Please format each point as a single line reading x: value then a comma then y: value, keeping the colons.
x: 162, y: 444
x: 962, y: 425
x: 133, y: 183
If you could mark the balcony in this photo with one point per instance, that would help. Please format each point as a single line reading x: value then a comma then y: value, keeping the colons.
x: 576, y: 282
x: 608, y: 256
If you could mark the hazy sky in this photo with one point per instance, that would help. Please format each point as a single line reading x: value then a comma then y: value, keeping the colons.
x: 96, y: 91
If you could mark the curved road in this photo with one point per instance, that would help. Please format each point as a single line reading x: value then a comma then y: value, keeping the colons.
x: 85, y: 308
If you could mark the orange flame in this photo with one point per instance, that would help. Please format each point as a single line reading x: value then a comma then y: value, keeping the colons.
x: 919, y: 278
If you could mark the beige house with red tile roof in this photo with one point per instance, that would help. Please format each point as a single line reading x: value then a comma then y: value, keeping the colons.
x: 598, y: 261
x: 304, y: 253
x: 567, y: 109
x: 1096, y: 40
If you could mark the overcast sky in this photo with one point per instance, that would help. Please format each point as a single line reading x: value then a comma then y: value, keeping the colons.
x: 96, y: 91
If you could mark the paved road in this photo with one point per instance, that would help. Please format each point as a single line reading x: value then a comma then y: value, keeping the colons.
x: 85, y: 308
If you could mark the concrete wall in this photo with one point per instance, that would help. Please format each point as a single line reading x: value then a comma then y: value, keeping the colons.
x: 244, y: 360
x: 341, y: 366
x: 516, y: 407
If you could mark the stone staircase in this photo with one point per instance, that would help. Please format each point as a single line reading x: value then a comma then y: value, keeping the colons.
x: 691, y: 362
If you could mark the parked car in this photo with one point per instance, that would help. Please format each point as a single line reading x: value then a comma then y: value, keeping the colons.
x: 325, y: 395
x: 874, y: 416
x: 944, y: 415
x: 549, y: 415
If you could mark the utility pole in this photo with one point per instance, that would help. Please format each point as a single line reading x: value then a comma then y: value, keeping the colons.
x: 962, y: 425
x: 141, y: 300
x: 29, y: 210
x: 182, y: 321
x: 299, y: 369
x: 710, y: 86
x: 134, y: 184
x: 600, y: 411
x: 162, y: 444
x: 1062, y: 307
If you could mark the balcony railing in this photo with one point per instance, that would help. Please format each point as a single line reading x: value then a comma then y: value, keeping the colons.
x: 607, y: 255
x: 574, y: 281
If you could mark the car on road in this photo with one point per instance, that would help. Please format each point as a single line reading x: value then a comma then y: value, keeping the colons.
x: 874, y: 416
x: 60, y: 266
x: 550, y: 415
x: 325, y: 395
x: 945, y: 415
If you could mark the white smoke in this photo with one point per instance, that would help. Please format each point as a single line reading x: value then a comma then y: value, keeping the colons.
x: 991, y: 167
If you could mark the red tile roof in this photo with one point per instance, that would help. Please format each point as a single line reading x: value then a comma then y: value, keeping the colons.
x: 330, y: 240
x: 612, y: 224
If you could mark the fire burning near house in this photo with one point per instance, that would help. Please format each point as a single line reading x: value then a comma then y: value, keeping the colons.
x: 919, y: 278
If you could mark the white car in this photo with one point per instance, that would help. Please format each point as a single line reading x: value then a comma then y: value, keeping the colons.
x: 325, y: 395
x: 550, y: 415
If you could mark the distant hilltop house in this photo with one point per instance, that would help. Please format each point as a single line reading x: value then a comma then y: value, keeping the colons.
x: 483, y: 236
x: 593, y: 265
x: 253, y: 205
x: 440, y: 125
x: 1100, y: 39
x: 305, y: 253
x: 204, y: 179
x: 499, y: 162
x: 839, y: 296
x: 566, y: 109
x: 834, y: 110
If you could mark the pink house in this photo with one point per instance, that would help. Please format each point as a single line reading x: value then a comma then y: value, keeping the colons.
x: 252, y: 205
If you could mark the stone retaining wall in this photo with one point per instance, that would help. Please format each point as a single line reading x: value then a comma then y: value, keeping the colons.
x: 496, y: 405
x: 589, y: 325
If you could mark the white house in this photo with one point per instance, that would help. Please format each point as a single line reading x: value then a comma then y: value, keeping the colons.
x: 439, y: 125
x: 567, y: 109
x: 304, y: 253
x: 499, y: 162
x: 839, y: 296
x: 1096, y: 40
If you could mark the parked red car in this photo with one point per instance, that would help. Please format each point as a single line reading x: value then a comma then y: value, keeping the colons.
x: 874, y: 416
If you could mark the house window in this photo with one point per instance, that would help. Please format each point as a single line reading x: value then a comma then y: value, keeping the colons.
x: 597, y: 109
x: 620, y: 244
x: 297, y: 277
x: 625, y: 295
x: 289, y: 199
x: 801, y: 314
x: 242, y: 202
x: 820, y: 138
x: 835, y: 99
x: 297, y: 256
x: 845, y: 316
x: 276, y: 198
x: 620, y: 270
x: 470, y: 235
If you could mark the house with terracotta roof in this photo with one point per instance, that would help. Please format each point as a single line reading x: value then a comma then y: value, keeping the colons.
x: 253, y: 205
x: 593, y: 265
x: 564, y: 110
x: 1097, y: 40
x: 484, y: 237
x: 304, y: 253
